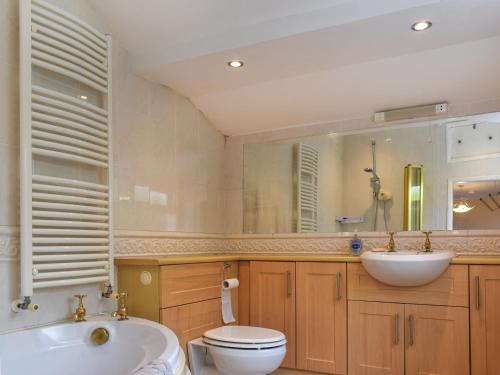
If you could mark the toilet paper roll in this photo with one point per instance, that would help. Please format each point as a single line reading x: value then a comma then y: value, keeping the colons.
x: 230, y: 284
x: 227, y: 309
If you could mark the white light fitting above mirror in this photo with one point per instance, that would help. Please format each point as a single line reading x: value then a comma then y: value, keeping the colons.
x: 462, y: 206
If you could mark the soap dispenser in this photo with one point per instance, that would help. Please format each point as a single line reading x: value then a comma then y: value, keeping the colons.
x: 356, y: 244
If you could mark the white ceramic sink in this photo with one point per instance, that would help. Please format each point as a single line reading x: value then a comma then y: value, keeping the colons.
x: 406, y: 268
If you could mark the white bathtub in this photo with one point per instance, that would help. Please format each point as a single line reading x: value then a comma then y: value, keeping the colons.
x: 135, y: 346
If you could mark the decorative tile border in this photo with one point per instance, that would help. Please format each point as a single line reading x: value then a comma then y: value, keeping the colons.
x: 131, y: 243
x: 461, y: 244
x: 139, y: 243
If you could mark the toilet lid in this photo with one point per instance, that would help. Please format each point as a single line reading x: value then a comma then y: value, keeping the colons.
x: 245, y: 335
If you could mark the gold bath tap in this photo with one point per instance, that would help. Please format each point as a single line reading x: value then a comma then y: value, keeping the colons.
x: 80, y: 312
x: 427, y: 242
x: 122, y: 312
x: 391, y: 246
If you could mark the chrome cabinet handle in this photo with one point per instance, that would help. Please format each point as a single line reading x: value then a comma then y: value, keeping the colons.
x: 288, y: 283
x: 396, y: 329
x: 339, y: 285
x: 411, y: 326
x: 478, y: 294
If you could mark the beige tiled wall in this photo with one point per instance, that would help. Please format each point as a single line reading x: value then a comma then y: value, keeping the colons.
x: 168, y: 159
x: 168, y: 165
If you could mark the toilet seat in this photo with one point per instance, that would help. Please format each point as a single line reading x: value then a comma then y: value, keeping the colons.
x: 244, y: 337
x: 233, y: 345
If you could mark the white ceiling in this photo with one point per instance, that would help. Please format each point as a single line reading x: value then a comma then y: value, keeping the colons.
x: 310, y: 61
x: 477, y: 189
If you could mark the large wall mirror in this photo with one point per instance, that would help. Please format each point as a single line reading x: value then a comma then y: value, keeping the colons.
x: 438, y: 175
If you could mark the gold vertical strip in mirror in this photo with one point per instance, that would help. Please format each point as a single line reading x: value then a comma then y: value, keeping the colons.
x: 413, y: 197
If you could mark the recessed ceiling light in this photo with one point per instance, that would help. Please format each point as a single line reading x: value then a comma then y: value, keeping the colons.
x: 421, y: 25
x: 235, y: 63
x: 84, y: 97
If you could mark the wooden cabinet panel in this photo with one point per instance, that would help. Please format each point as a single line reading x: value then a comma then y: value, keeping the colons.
x: 485, y: 319
x: 376, y: 338
x: 244, y: 294
x: 437, y: 340
x: 321, y: 317
x: 450, y: 289
x: 191, y: 321
x: 272, y: 296
x: 186, y: 283
x: 143, y: 301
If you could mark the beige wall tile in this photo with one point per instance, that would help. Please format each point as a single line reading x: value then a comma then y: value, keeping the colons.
x: 168, y: 162
x: 9, y: 184
x: 233, y: 210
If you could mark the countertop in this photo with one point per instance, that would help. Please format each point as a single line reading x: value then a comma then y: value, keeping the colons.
x: 161, y: 260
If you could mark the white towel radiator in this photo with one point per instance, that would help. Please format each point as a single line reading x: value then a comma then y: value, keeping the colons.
x: 307, y: 188
x: 66, y: 153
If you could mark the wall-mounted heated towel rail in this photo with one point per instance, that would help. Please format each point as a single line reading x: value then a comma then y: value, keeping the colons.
x: 66, y: 154
x: 307, y: 188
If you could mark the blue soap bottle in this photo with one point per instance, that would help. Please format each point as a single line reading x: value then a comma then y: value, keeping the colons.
x: 356, y: 245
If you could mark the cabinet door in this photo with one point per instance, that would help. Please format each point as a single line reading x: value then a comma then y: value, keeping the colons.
x: 321, y: 317
x: 192, y: 320
x: 376, y: 338
x: 485, y: 319
x: 272, y: 301
x: 437, y: 340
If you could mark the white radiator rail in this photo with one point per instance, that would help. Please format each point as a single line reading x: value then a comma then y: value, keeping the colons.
x: 66, y: 222
x: 70, y: 281
x: 67, y: 257
x: 68, y: 249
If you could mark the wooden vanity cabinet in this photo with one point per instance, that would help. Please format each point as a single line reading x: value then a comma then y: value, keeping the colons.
x: 184, y: 297
x: 408, y: 331
x: 437, y: 340
x: 306, y: 301
x: 485, y: 319
x: 398, y: 339
x: 192, y: 320
x: 321, y: 317
x: 376, y: 338
x: 272, y: 297
x: 337, y: 319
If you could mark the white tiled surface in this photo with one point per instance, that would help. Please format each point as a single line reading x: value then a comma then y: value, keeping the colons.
x: 164, y: 146
x: 168, y: 164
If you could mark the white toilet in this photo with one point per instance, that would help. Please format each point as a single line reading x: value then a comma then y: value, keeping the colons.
x: 237, y: 350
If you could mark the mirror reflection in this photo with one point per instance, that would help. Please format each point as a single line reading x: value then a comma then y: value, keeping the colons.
x: 432, y: 175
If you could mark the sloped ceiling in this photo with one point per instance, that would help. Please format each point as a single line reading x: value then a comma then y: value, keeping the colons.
x: 310, y: 61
